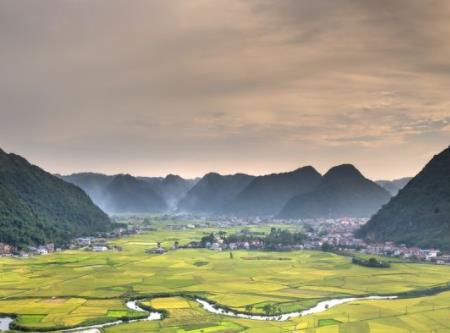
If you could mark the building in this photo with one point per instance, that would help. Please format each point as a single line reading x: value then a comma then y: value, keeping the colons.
x: 99, y: 248
x: 158, y: 250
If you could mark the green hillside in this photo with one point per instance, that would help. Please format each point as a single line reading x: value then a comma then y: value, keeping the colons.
x: 37, y: 207
x: 420, y: 213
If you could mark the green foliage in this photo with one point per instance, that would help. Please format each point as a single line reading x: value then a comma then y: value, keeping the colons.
x: 327, y: 247
x: 420, y: 213
x: 273, y: 240
x: 37, y: 207
x: 371, y: 262
x: 283, y: 237
x: 328, y: 321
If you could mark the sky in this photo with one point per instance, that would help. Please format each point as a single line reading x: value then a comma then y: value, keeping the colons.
x: 191, y: 86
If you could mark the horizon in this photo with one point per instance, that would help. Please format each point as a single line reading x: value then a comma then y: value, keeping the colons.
x: 322, y: 172
x: 186, y: 87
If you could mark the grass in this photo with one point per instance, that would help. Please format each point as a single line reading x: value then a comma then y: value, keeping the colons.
x: 30, y: 318
x: 326, y: 322
x: 72, y: 287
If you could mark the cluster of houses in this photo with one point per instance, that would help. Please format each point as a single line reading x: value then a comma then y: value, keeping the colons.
x: 180, y: 227
x: 202, y: 221
x: 8, y: 250
x: 220, y: 245
x: 339, y: 233
x: 389, y: 249
x: 42, y: 249
x: 93, y: 244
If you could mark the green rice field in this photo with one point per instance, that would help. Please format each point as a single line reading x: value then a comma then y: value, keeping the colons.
x: 79, y: 288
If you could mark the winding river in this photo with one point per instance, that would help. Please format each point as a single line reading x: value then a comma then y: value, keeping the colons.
x: 5, y: 322
x: 319, y: 307
x: 130, y: 305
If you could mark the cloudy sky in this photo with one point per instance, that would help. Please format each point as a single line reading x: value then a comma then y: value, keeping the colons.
x: 190, y: 86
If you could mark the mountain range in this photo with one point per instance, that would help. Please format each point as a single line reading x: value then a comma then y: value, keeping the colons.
x: 213, y: 191
x: 37, y: 207
x: 127, y: 194
x: 171, y: 188
x: 124, y: 193
x: 302, y: 193
x: 342, y: 191
x: 420, y: 213
x: 266, y: 195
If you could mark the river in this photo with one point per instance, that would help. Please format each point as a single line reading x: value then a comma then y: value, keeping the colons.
x: 319, y: 307
x: 210, y: 307
x: 131, y: 305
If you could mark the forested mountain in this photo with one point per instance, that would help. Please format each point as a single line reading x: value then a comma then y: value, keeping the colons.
x: 393, y: 186
x: 420, y: 213
x: 37, y: 207
x: 127, y: 194
x: 342, y: 192
x: 213, y: 191
x: 266, y: 195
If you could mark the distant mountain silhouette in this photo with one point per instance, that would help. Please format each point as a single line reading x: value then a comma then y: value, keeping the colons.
x: 172, y: 188
x: 343, y: 192
x: 150, y: 194
x: 126, y: 193
x: 93, y: 184
x: 266, y: 195
x: 393, y: 186
x: 153, y: 181
x: 213, y: 191
x: 420, y: 213
x: 37, y: 207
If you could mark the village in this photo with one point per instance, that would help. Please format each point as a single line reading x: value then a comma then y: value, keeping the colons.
x: 336, y: 235
x: 331, y: 234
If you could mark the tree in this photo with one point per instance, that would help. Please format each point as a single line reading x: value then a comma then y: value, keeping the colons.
x: 373, y: 262
x: 207, y: 239
x: 327, y: 247
x: 267, y: 309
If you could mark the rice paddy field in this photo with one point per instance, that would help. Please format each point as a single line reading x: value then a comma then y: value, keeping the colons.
x: 75, y: 288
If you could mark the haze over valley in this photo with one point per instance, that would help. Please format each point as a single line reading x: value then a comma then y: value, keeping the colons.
x: 238, y: 194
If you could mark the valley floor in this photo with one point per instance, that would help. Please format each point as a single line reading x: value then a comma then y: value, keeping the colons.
x: 76, y: 288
